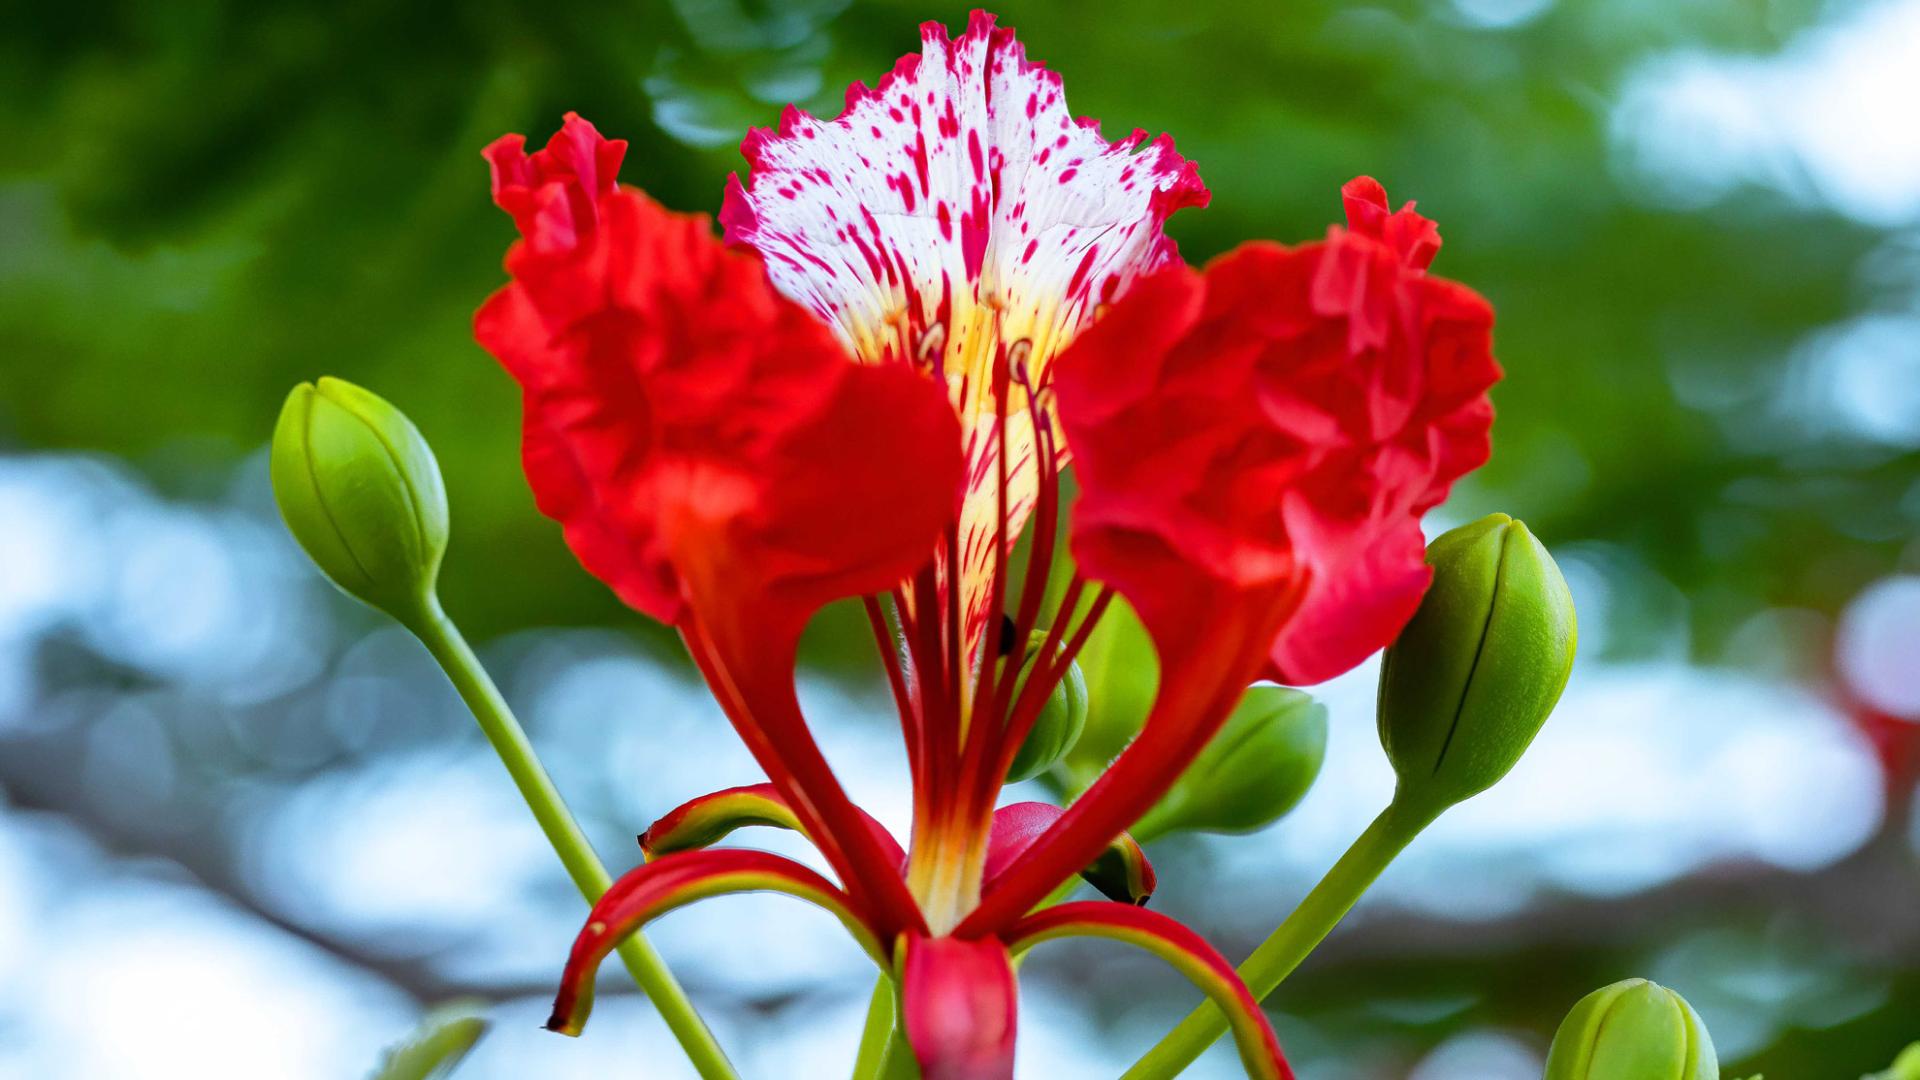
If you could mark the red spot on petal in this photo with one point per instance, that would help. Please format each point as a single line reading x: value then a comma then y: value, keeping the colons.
x: 1080, y: 272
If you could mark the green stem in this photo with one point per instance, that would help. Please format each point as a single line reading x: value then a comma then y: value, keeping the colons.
x: 510, y: 742
x: 897, y: 1061
x: 878, y: 1029
x: 1290, y: 943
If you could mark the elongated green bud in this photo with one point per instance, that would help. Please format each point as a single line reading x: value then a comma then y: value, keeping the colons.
x: 1253, y: 771
x: 360, y: 491
x: 1632, y: 1030
x: 1122, y: 674
x: 1474, y: 675
x: 1060, y: 722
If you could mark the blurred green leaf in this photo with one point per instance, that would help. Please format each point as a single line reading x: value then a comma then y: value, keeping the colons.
x: 437, y: 1046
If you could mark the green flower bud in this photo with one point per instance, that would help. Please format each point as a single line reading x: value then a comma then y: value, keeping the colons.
x: 1060, y: 722
x: 1123, y: 674
x: 1632, y: 1030
x: 1474, y: 675
x: 360, y: 491
x: 1253, y: 771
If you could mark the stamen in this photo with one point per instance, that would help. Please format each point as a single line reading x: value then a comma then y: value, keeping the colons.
x: 985, y: 691
x: 955, y: 676
x: 1017, y: 356
x: 1045, y: 529
x: 932, y: 344
x: 912, y: 723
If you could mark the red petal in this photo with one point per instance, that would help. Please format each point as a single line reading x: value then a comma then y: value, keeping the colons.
x: 1121, y: 873
x: 656, y: 888
x: 678, y: 408
x: 1255, y: 446
x: 1412, y: 237
x: 961, y: 1006
x: 1179, y: 946
x: 698, y: 823
x: 553, y: 193
x: 1306, y: 406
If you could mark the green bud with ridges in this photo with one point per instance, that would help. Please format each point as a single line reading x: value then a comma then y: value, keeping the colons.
x: 1632, y: 1030
x: 359, y: 489
x: 1061, y: 719
x: 1255, y: 769
x: 1468, y: 684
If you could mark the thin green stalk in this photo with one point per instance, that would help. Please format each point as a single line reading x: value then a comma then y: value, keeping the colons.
x: 509, y: 740
x: 878, y: 1029
x: 897, y: 1061
x: 1290, y: 943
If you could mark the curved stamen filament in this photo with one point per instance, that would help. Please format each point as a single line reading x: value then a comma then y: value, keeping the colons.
x: 967, y: 748
x: 988, y: 668
x: 912, y: 724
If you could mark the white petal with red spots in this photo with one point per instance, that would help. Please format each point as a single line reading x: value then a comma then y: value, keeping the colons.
x: 956, y: 209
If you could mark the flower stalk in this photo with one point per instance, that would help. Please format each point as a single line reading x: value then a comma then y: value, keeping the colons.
x: 1293, y: 939
x: 509, y: 740
x: 877, y: 1032
x: 360, y: 491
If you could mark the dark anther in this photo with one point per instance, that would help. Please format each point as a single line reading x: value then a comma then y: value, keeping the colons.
x: 1006, y: 635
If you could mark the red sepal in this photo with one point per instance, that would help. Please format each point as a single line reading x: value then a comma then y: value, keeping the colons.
x: 708, y: 819
x: 652, y: 890
x: 1121, y: 872
x: 1179, y: 946
x: 961, y: 1005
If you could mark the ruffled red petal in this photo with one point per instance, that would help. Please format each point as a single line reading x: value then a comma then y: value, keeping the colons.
x: 1255, y: 447
x: 553, y: 194
x: 1308, y: 405
x: 685, y: 419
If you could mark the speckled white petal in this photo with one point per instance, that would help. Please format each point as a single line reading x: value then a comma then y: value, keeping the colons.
x: 951, y: 213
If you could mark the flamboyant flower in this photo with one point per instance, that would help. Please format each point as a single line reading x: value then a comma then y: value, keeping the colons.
x: 925, y: 310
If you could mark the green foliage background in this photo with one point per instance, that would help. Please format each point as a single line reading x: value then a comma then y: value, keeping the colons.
x: 207, y: 202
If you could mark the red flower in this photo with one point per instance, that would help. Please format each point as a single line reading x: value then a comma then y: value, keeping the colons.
x: 942, y: 298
